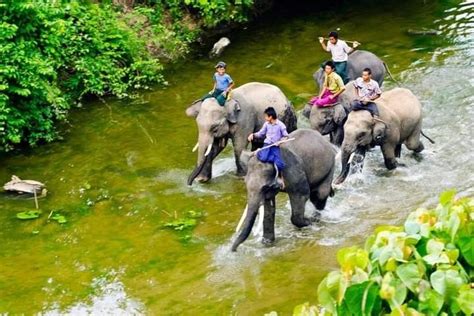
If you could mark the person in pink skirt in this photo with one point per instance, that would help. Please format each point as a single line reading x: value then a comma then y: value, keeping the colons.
x: 332, y: 87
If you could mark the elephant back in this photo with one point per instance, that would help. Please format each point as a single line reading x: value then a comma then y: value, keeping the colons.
x: 403, y: 103
x: 255, y: 97
x: 361, y: 59
x: 314, y: 151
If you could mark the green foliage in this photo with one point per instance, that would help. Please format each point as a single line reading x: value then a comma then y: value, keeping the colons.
x: 54, y: 53
x: 216, y: 11
x: 56, y: 216
x: 423, y: 268
x: 28, y: 214
x: 184, y: 225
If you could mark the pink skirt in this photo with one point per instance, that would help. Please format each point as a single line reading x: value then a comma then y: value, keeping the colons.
x: 324, y: 100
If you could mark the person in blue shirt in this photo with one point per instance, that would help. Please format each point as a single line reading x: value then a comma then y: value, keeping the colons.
x: 223, y: 84
x: 273, y: 131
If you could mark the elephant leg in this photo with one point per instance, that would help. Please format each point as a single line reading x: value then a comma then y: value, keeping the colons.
x: 414, y: 143
x: 269, y: 222
x: 388, y: 151
x: 398, y: 150
x: 240, y: 143
x: 297, y: 202
x: 323, y: 191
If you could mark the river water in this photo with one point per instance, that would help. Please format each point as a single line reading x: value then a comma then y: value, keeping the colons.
x: 120, y: 173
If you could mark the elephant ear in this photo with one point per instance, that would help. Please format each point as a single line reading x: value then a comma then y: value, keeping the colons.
x: 232, y: 110
x: 379, y: 132
x: 294, y: 175
x: 339, y: 114
x: 194, y: 108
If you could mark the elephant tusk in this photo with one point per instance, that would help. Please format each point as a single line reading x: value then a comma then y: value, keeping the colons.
x: 338, y: 156
x: 259, y: 229
x: 244, y: 215
x: 351, y: 158
x: 196, y: 147
x: 208, y: 150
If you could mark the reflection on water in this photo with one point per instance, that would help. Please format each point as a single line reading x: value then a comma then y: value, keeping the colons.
x: 121, y: 173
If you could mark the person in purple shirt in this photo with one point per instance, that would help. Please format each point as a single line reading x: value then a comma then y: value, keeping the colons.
x: 273, y: 131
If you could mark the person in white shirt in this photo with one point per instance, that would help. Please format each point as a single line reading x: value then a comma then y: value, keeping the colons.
x: 339, y: 51
x: 367, y: 91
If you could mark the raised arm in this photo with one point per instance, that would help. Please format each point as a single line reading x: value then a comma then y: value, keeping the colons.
x: 321, y: 40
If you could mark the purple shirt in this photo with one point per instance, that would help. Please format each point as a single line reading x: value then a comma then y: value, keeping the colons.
x: 272, y: 132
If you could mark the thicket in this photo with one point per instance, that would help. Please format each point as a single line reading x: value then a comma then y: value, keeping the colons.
x: 425, y: 267
x: 54, y: 53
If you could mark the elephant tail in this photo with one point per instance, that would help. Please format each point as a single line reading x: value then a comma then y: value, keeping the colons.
x: 390, y: 74
x: 429, y: 139
x: 289, y: 118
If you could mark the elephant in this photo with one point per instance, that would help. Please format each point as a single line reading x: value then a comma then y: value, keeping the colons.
x: 330, y: 120
x: 241, y: 115
x: 308, y: 174
x: 399, y: 123
x: 357, y: 61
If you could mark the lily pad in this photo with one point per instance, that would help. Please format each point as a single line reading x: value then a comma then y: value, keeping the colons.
x: 61, y: 219
x: 28, y: 215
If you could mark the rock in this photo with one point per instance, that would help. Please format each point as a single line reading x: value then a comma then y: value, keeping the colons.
x: 24, y: 186
x: 219, y: 46
x: 423, y: 31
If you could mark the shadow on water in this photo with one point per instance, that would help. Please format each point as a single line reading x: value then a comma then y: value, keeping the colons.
x: 121, y: 171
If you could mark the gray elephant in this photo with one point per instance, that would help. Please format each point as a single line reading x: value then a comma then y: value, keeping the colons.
x: 330, y: 120
x: 309, y: 171
x: 357, y: 61
x: 399, y: 123
x: 241, y: 115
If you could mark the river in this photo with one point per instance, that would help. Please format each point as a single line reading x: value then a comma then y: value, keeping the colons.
x: 120, y: 174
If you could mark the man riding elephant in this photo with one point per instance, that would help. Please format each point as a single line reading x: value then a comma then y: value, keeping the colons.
x: 339, y: 51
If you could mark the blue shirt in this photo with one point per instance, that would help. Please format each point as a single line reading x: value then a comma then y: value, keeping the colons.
x: 222, y: 82
x: 272, y: 132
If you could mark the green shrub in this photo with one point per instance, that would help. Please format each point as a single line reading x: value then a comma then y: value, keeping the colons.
x: 214, y: 12
x: 53, y: 53
x: 423, y: 268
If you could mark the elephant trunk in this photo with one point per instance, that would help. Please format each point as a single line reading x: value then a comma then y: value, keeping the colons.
x: 205, y: 155
x: 347, y: 151
x: 249, y: 221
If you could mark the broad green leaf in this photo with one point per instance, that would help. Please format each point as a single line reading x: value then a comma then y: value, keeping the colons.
x: 434, y: 246
x: 352, y: 257
x: 465, y: 300
x: 363, y: 299
x: 329, y: 290
x: 466, y: 245
x: 410, y: 276
x: 28, y: 214
x: 431, y: 302
x: 446, y: 283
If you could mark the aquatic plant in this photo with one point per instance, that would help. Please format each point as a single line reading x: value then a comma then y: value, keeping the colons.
x: 32, y: 214
x: 425, y: 267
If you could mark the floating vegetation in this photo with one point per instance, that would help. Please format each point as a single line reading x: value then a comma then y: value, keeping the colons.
x: 33, y: 214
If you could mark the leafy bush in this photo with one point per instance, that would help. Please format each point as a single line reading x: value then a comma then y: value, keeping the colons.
x: 215, y: 11
x: 423, y: 268
x: 53, y: 53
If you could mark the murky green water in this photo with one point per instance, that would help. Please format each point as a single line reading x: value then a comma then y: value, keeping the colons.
x: 120, y: 174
